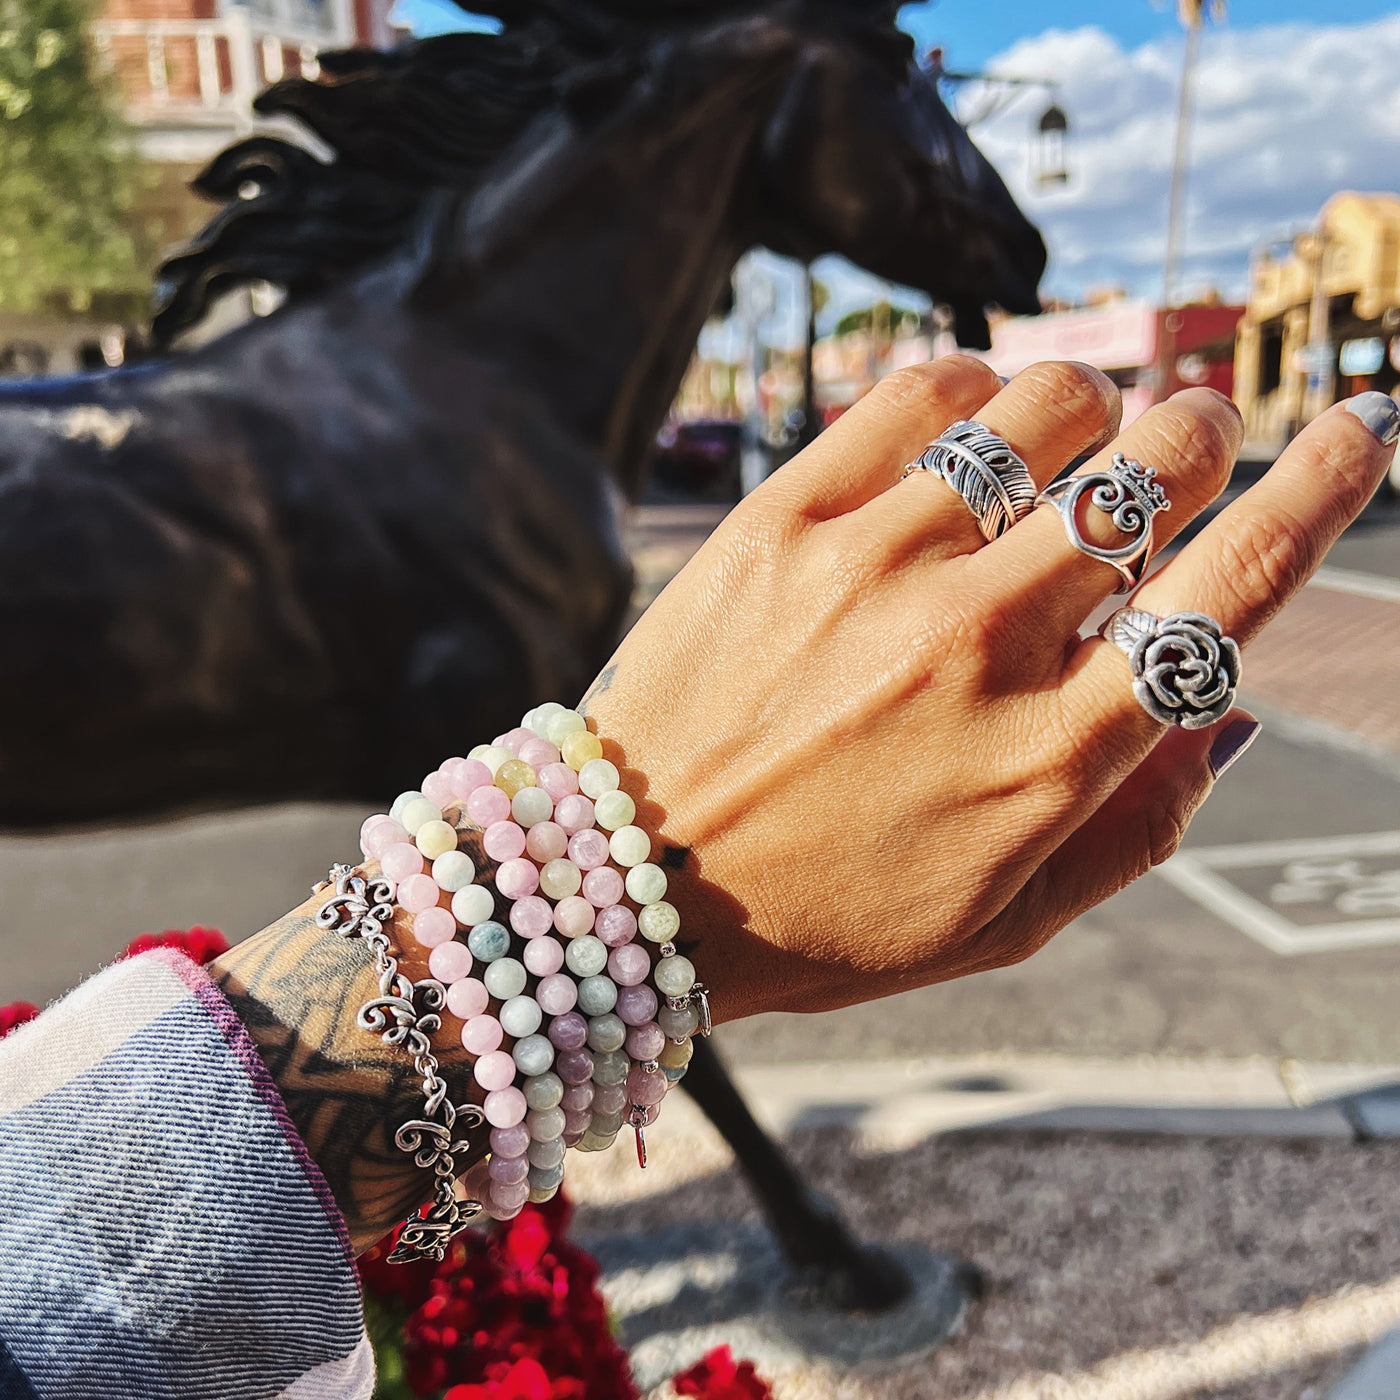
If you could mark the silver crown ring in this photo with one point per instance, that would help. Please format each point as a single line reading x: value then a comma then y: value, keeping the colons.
x: 1129, y: 495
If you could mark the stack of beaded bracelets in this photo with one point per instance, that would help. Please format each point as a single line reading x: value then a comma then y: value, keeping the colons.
x: 594, y: 1046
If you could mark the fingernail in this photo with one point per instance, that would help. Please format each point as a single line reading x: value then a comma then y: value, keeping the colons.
x: 1380, y: 413
x: 1230, y: 745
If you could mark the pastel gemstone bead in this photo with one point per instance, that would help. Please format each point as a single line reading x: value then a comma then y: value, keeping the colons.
x: 400, y: 861
x: 575, y: 1121
x: 508, y: 1193
x: 505, y: 1108
x: 608, y: 1124
x: 435, y: 839
x: 606, y: 1032
x: 482, y: 1034
x: 675, y: 1056
x: 487, y: 805
x: 630, y: 845
x: 611, y: 1067
x: 495, y: 1070
x: 504, y: 978
x: 510, y: 1142
x: 560, y: 878
x: 545, y: 1124
x: 678, y: 1025
x: 544, y: 1090
x: 557, y: 994
x: 586, y: 956
x: 573, y: 813
x: 379, y: 834
x: 603, y: 886
x: 417, y: 893
x: 546, y: 1154
x: 465, y: 775
x: 437, y: 789
x: 592, y: 1141
x: 546, y: 841
x: 635, y: 1005
x: 434, y: 927
x: 419, y: 813
x: 659, y: 922
x: 597, y: 995
x: 568, y: 1032
x: 674, y: 1074
x: 615, y: 926
x: 629, y: 965
x: 494, y: 756
x: 538, y: 753
x: 513, y: 775
x: 645, y: 1042
x: 503, y: 840
x: 574, y: 1066
x: 573, y: 916
x: 576, y: 1097
x: 598, y: 776
x: 614, y: 810
x: 532, y: 916
x: 644, y: 1088
x: 508, y: 1168
x: 450, y: 962
x: 609, y: 1099
x: 520, y: 1016
x: 579, y: 748
x: 533, y: 1055
x: 489, y: 941
x: 468, y: 998
x: 516, y: 739
x: 517, y: 878
x: 532, y: 805
x: 646, y: 883
x: 588, y: 849
x: 402, y: 801
x: 558, y: 780
x: 453, y: 871
x: 472, y: 905
x: 543, y: 956
x: 559, y: 724
x: 536, y: 718
x: 674, y: 976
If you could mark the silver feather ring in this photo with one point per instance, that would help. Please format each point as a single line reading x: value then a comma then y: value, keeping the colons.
x: 985, y: 471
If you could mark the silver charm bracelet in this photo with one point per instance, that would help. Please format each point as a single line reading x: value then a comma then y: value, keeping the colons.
x: 406, y: 1013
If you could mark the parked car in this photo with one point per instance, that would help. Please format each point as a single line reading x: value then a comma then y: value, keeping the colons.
x: 697, y: 460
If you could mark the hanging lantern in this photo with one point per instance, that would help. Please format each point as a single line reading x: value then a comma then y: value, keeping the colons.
x: 1048, y: 163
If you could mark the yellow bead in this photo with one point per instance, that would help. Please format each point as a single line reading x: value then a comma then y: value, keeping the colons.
x: 579, y: 747
x: 514, y: 775
x: 435, y: 839
x: 675, y: 1056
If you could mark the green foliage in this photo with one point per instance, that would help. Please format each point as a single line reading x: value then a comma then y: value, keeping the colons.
x: 67, y: 170
x: 384, y: 1323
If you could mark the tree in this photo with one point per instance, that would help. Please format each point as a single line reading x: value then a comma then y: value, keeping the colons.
x: 67, y: 167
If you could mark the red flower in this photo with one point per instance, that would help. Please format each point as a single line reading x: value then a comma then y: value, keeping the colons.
x: 201, y: 944
x: 16, y: 1014
x: 716, y: 1376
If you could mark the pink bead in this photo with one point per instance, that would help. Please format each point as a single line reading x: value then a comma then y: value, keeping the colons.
x: 437, y: 789
x: 538, y: 753
x: 465, y: 775
x: 434, y: 927
x: 508, y: 1168
x: 615, y: 925
x: 543, y: 956
x: 603, y: 886
x: 378, y: 834
x: 558, y: 780
x: 573, y: 916
x: 401, y: 860
x: 373, y: 820
x: 482, y: 1035
x: 635, y: 1005
x: 510, y: 1195
x: 574, y: 1066
x: 505, y: 1108
x: 588, y: 849
x: 644, y: 1088
x: 546, y: 841
x: 577, y: 1097
x: 517, y: 878
x: 531, y: 916
x: 609, y: 1098
x: 628, y: 966
x: 573, y: 813
x: 487, y: 805
x: 418, y: 892
x: 645, y: 1042
x: 494, y: 1070
x: 568, y: 1032
x: 557, y: 993
x: 503, y: 841
x: 578, y: 1120
x: 503, y: 1213
x: 516, y: 739
x: 510, y: 1142
x: 468, y: 998
x: 450, y: 962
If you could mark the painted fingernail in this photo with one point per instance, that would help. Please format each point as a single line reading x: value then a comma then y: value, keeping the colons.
x: 1380, y: 413
x: 1230, y: 745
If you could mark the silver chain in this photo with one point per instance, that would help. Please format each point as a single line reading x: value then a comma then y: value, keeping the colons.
x: 406, y: 1013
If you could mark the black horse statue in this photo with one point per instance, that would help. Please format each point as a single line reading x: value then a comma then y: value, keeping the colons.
x: 309, y: 557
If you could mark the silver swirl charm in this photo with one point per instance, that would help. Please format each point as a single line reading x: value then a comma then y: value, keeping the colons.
x: 1185, y: 670
x: 985, y: 471
x: 1129, y: 496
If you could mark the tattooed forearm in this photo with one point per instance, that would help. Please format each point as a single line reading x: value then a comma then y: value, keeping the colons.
x: 599, y: 687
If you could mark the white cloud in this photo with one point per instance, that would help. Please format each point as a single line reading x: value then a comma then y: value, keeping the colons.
x: 1286, y: 115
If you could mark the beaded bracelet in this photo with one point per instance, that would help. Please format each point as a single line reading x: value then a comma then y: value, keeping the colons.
x: 594, y: 1046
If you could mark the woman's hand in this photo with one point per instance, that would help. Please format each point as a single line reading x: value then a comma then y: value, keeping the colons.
x: 877, y: 745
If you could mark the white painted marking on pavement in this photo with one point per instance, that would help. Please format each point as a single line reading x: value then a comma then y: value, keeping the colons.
x: 1358, y: 584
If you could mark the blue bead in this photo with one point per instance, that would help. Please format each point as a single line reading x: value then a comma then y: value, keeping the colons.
x: 674, y: 1076
x: 597, y: 995
x: 489, y: 941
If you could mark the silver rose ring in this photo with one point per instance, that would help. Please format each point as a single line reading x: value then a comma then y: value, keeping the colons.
x: 1185, y: 670
x: 984, y: 469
